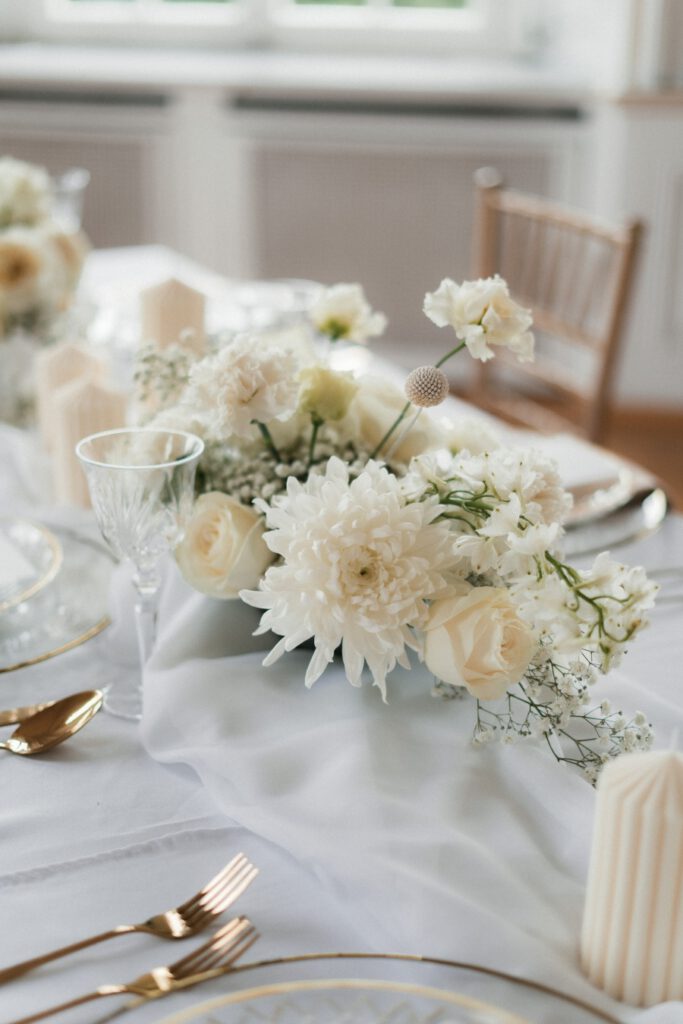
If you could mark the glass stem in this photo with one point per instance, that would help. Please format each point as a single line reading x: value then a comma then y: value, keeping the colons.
x: 146, y: 609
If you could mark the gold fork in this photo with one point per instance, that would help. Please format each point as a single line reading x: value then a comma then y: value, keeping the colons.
x: 210, y: 960
x: 179, y: 923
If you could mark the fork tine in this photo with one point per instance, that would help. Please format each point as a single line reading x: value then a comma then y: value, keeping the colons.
x: 235, y: 865
x: 223, y: 898
x: 225, y: 894
x: 187, y: 964
x: 227, y: 954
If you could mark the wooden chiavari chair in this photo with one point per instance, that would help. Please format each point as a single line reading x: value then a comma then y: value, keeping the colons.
x: 575, y: 273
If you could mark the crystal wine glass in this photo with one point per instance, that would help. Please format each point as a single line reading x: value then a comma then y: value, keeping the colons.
x: 141, y: 483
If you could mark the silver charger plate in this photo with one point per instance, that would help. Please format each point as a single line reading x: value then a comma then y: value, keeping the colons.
x: 351, y: 988
x: 628, y: 521
x: 36, y: 555
x: 71, y: 609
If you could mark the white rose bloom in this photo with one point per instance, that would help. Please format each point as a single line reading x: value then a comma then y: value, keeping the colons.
x: 29, y: 271
x: 244, y: 383
x: 374, y: 409
x: 477, y: 640
x: 25, y: 193
x: 343, y: 312
x: 359, y: 566
x: 223, y: 549
x: 482, y: 314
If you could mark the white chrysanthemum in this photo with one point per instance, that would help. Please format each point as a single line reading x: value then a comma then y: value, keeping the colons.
x: 359, y: 566
x: 24, y: 193
x: 482, y: 314
x: 343, y: 312
x: 244, y: 383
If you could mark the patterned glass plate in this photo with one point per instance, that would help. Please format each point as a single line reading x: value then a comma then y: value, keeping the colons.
x: 348, y: 988
x: 30, y: 556
x: 66, y: 613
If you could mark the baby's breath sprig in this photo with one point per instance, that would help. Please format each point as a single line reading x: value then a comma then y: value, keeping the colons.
x: 551, y: 703
x: 161, y: 376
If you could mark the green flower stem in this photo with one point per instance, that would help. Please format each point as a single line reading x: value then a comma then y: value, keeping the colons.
x: 266, y: 435
x: 317, y: 424
x: 453, y: 352
x: 401, y: 416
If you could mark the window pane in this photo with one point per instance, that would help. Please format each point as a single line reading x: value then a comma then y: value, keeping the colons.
x: 333, y: 3
x: 451, y: 4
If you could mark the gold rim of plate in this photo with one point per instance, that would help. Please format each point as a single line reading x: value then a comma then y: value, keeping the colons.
x: 75, y: 641
x: 50, y: 573
x: 235, y: 997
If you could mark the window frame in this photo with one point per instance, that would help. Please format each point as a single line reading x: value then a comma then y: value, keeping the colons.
x: 481, y: 29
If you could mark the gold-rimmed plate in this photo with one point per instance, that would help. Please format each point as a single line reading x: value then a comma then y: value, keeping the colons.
x: 357, y: 988
x: 67, y: 612
x: 30, y: 558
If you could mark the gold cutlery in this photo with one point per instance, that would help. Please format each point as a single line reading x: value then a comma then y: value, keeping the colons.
x: 53, y: 724
x: 181, y: 922
x: 14, y: 715
x: 209, y: 961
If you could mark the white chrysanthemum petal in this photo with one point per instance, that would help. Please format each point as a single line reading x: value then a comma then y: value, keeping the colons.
x: 359, y: 565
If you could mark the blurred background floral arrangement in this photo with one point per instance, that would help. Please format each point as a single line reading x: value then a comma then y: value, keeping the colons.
x: 42, y: 251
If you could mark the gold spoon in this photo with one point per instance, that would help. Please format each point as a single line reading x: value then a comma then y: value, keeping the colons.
x: 54, y: 724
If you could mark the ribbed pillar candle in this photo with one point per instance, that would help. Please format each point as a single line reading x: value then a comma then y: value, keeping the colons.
x: 81, y: 408
x: 632, y: 938
x: 168, y: 309
x: 53, y: 368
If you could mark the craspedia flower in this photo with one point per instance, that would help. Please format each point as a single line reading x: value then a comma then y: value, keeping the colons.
x: 426, y: 386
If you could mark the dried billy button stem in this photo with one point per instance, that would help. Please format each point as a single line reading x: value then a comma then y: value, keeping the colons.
x: 426, y: 385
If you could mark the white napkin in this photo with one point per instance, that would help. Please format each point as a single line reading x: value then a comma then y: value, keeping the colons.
x: 435, y: 846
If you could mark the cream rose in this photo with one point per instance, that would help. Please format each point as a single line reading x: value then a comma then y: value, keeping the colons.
x: 223, y: 549
x: 477, y: 640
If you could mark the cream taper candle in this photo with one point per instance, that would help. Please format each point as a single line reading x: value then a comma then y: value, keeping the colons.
x: 168, y: 309
x: 632, y: 938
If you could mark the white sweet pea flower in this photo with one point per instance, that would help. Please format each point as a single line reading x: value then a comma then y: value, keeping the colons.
x: 482, y: 314
x: 343, y: 312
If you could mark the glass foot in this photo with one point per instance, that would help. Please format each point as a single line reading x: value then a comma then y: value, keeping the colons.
x: 123, y: 704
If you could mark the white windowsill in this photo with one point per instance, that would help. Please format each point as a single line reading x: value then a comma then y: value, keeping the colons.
x: 433, y: 80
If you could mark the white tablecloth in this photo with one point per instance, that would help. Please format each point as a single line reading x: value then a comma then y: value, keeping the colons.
x: 376, y: 828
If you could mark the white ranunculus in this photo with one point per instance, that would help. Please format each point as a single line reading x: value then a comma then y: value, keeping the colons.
x: 326, y: 394
x: 223, y: 549
x: 343, y: 312
x: 477, y: 640
x: 375, y: 408
x: 482, y: 314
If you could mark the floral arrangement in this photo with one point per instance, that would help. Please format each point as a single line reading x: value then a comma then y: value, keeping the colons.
x: 361, y: 523
x: 40, y: 263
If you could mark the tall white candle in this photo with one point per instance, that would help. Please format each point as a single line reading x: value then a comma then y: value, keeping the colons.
x: 54, y: 367
x: 167, y: 310
x: 632, y: 938
x: 81, y: 407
